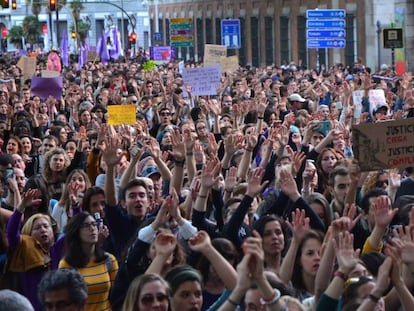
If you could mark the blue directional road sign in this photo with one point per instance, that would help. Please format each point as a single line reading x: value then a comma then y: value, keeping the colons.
x: 325, y: 14
x: 320, y: 33
x: 332, y: 23
x: 230, y: 33
x: 326, y: 43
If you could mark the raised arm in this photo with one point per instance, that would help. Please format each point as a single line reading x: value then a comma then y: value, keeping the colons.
x: 109, y: 155
x: 201, y: 242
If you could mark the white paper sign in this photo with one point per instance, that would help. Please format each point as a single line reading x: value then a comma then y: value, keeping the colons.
x: 376, y: 98
x: 203, y: 80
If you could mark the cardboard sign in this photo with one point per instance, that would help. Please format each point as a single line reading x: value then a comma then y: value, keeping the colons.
x: 376, y: 98
x: 27, y: 65
x: 121, y: 114
x: 213, y: 54
x: 384, y: 145
x: 230, y: 64
x: 93, y: 56
x: 45, y: 87
x: 50, y: 74
x: 203, y: 80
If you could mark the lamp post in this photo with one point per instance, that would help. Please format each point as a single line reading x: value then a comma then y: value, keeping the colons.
x: 379, y: 43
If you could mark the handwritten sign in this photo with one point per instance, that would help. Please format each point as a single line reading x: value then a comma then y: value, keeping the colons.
x: 121, y: 114
x: 376, y: 99
x: 27, y: 65
x: 213, y: 54
x: 93, y: 56
x: 383, y: 145
x: 230, y: 64
x: 50, y: 74
x: 203, y: 80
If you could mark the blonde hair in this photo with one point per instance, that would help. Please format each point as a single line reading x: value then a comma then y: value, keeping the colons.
x: 288, y: 300
x: 28, y: 226
x: 47, y: 171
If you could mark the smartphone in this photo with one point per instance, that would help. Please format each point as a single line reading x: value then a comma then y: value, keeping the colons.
x: 133, y: 150
x: 324, y: 126
x: 8, y: 173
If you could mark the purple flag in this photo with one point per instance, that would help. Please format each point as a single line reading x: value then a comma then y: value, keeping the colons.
x: 81, y: 60
x: 115, y: 50
x: 45, y: 87
x: 102, y: 49
x: 86, y: 48
x: 64, y: 47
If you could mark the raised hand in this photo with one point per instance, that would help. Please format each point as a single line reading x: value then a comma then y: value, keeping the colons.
x: 213, y: 146
x: 30, y: 197
x: 383, y: 214
x: 109, y: 155
x: 346, y: 256
x: 231, y: 179
x: 165, y: 244
x: 209, y: 175
x: 178, y: 146
x: 255, y: 185
x: 200, y: 241
x: 299, y: 225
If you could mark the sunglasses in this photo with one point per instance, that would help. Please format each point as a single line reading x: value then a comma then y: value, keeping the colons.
x: 149, y: 299
x: 380, y: 183
x: 165, y: 114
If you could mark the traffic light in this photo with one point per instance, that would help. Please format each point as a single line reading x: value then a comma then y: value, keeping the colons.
x: 133, y: 38
x: 73, y: 35
x: 14, y: 5
x: 52, y: 5
x: 5, y: 4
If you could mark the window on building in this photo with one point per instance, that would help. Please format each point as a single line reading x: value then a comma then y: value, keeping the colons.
x: 350, y: 54
x: 200, y: 41
x: 254, y: 27
x: 209, y: 31
x: 284, y: 40
x: 269, y: 40
x: 302, y: 50
x: 243, y: 45
x: 167, y: 31
x: 218, y: 31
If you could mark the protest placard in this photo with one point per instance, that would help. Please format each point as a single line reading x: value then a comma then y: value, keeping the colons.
x: 93, y: 56
x: 27, y: 65
x: 384, y: 145
x: 203, y: 80
x: 45, y: 87
x: 50, y: 74
x: 161, y: 54
x: 376, y: 99
x: 121, y: 114
x: 213, y: 54
x: 230, y: 64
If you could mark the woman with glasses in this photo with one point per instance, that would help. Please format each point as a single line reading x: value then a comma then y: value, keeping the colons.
x: 146, y: 292
x: 83, y: 253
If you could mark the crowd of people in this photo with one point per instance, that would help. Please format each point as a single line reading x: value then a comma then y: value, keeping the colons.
x: 250, y: 199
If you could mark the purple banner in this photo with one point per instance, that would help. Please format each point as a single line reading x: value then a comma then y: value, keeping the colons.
x: 45, y: 87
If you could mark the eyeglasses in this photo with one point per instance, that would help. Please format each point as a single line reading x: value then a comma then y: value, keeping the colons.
x: 89, y: 226
x: 380, y: 183
x: 149, y: 299
x: 134, y: 101
x: 165, y: 114
x: 201, y: 128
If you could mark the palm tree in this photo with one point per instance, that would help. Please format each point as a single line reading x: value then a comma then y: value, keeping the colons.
x: 76, y: 7
x: 32, y: 29
x: 16, y: 35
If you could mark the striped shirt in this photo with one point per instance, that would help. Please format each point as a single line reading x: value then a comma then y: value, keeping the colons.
x: 99, y: 280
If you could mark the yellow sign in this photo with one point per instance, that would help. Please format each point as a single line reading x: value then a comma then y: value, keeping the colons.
x: 121, y: 114
x: 180, y: 20
x: 182, y: 38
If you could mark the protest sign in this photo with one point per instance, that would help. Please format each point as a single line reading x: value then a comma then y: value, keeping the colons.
x: 27, y: 66
x: 203, y: 80
x: 161, y: 54
x: 213, y: 54
x: 383, y: 145
x: 50, y: 74
x: 230, y: 64
x: 121, y: 114
x: 376, y: 99
x: 93, y: 56
x: 45, y: 87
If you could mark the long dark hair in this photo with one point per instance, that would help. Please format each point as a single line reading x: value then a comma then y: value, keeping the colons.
x: 73, y: 255
x: 89, y: 193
